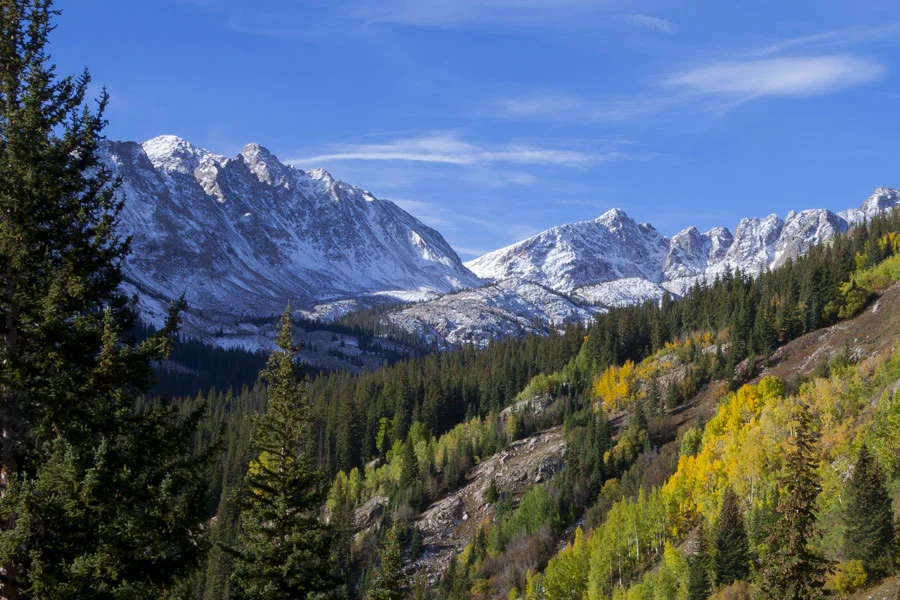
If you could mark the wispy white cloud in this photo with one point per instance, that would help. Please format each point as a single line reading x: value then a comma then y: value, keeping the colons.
x: 651, y: 23
x: 836, y: 37
x: 449, y: 148
x: 784, y: 77
x: 719, y: 85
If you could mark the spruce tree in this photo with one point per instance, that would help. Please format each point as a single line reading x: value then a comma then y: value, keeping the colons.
x: 284, y: 550
x: 409, y: 475
x: 795, y: 570
x: 732, y: 558
x: 699, y: 587
x: 388, y: 581
x: 97, y: 498
x: 869, y: 516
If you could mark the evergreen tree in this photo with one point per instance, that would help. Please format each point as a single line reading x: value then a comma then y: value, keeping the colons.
x: 409, y: 475
x: 284, y: 550
x: 794, y: 570
x: 869, y: 516
x: 97, y: 499
x: 699, y: 587
x: 388, y: 581
x: 732, y: 559
x: 672, y: 397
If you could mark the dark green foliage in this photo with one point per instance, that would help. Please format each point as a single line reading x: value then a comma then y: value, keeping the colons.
x: 673, y: 398
x: 491, y: 494
x: 869, y: 517
x: 410, y: 474
x: 87, y: 509
x: 795, y: 570
x: 440, y: 390
x: 588, y: 438
x: 284, y: 550
x: 732, y: 557
x: 699, y: 587
x: 699, y: 584
x: 387, y: 584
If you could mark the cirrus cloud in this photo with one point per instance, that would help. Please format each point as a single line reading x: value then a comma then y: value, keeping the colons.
x: 786, y: 77
x: 449, y: 148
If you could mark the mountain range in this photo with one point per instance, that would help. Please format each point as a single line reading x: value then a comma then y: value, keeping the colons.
x: 243, y: 236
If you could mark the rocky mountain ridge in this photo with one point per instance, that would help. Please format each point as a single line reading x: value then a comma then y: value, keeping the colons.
x: 242, y: 236
x: 614, y: 247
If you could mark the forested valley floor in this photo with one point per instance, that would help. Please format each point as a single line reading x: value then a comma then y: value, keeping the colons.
x: 595, y: 463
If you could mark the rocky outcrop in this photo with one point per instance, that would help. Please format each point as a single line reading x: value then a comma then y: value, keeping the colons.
x: 449, y: 524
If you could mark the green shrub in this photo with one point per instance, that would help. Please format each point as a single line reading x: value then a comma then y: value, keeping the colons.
x: 848, y: 577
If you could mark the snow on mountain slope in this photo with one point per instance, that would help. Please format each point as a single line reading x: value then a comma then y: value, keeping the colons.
x: 511, y: 307
x: 578, y: 254
x: 883, y: 199
x: 242, y: 236
x: 613, y: 259
x: 621, y: 292
x: 245, y: 235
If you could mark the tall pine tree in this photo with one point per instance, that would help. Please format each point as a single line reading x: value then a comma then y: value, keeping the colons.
x: 97, y: 498
x: 869, y: 516
x: 732, y: 558
x: 388, y: 581
x: 284, y: 550
x: 699, y: 587
x: 795, y: 570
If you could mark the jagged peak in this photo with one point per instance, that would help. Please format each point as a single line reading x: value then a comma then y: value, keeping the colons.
x: 169, y: 145
x: 254, y: 152
x: 172, y: 153
x: 614, y: 217
x: 750, y: 221
x: 719, y: 231
x: 266, y: 165
x: 881, y: 190
x: 320, y: 175
x: 686, y: 232
x: 882, y: 197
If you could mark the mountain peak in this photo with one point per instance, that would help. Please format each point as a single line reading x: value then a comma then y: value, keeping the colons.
x: 174, y: 154
x: 613, y: 216
x: 321, y: 175
x: 882, y: 198
x: 256, y: 152
x: 265, y: 165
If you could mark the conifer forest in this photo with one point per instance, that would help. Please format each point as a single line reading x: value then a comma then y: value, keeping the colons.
x: 736, y: 438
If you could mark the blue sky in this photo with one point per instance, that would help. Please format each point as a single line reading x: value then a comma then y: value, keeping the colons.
x: 493, y: 119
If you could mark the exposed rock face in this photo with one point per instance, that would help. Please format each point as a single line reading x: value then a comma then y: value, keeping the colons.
x: 508, y: 308
x: 613, y: 261
x: 245, y: 235
x: 449, y: 523
x: 567, y: 257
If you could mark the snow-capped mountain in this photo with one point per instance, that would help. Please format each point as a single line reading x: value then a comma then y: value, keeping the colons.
x: 245, y: 235
x: 570, y: 256
x: 613, y: 260
x: 242, y: 236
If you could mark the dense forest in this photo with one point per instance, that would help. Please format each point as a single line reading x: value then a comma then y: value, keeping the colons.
x: 411, y: 432
x: 688, y: 469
